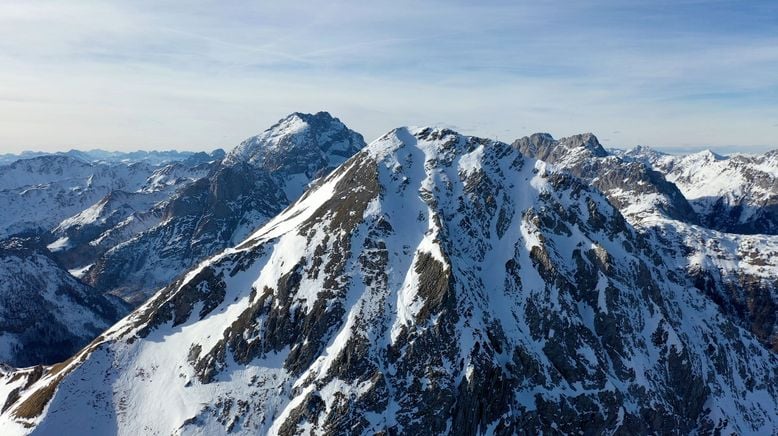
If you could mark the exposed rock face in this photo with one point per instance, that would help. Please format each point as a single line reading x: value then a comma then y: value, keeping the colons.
x: 46, y: 315
x: 256, y: 180
x: 638, y: 191
x: 434, y: 283
x: 543, y: 146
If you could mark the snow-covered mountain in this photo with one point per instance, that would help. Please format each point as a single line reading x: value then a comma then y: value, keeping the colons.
x: 103, y: 156
x: 737, y: 193
x: 433, y: 283
x: 255, y: 182
x: 638, y: 191
x: 737, y: 271
x: 43, y: 191
x: 298, y: 149
x: 46, y: 315
x: 79, y: 240
x: 68, y: 211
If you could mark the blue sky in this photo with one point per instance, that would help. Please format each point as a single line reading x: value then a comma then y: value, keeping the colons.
x: 679, y: 74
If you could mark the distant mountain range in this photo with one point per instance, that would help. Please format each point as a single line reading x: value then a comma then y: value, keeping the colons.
x: 104, y: 156
x: 426, y: 283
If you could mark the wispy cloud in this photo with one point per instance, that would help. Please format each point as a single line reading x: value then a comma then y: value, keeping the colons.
x: 145, y: 73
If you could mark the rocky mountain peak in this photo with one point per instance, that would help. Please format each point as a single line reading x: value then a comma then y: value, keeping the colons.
x: 299, y: 144
x: 542, y: 137
x: 586, y: 141
x: 537, y: 143
x: 617, y: 175
x: 574, y: 148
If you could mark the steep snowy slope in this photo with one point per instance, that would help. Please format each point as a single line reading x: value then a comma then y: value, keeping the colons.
x: 46, y: 315
x: 433, y: 283
x: 257, y: 180
x: 737, y: 194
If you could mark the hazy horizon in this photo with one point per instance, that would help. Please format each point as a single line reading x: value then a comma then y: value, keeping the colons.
x: 682, y: 75
x: 722, y: 149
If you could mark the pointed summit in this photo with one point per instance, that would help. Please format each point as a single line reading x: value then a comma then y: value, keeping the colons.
x: 309, y: 144
x: 586, y: 141
x: 583, y: 156
x: 707, y: 155
x: 257, y: 179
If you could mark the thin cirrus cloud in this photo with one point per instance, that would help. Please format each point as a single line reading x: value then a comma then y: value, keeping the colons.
x: 143, y: 74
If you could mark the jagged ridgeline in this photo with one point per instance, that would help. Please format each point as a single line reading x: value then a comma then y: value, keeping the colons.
x: 434, y: 283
